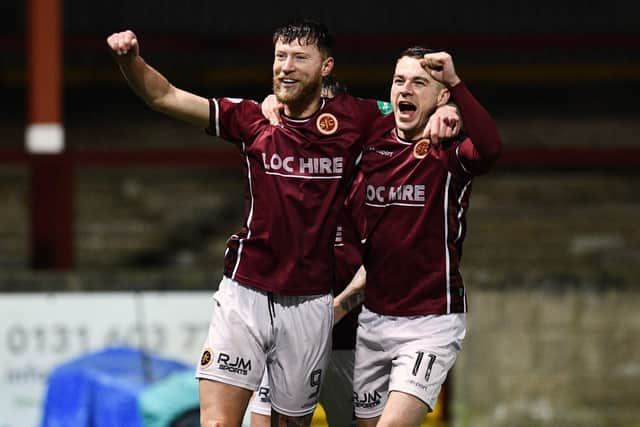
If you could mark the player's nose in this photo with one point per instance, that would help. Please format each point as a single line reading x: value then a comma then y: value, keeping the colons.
x: 288, y: 65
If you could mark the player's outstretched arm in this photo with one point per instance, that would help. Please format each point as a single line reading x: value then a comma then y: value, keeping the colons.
x: 351, y: 297
x: 154, y: 89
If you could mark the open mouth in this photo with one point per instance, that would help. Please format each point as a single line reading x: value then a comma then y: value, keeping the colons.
x: 404, y: 106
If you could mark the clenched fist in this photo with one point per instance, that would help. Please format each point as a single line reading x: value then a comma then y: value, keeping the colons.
x: 123, y: 44
x: 440, y: 66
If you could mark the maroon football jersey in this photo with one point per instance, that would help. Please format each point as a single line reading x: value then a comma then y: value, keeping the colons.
x: 416, y: 199
x: 296, y: 178
x: 348, y: 253
x: 348, y: 259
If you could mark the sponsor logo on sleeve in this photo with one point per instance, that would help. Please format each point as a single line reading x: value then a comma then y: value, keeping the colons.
x: 384, y: 107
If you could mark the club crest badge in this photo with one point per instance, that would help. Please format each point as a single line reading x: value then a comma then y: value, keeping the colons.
x: 206, y: 358
x: 421, y: 148
x: 327, y: 123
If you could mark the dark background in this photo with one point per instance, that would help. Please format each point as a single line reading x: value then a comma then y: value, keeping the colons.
x: 560, y: 78
x: 572, y: 58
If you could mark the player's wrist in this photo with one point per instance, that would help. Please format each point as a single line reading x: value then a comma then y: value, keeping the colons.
x: 338, y: 312
x: 126, y: 62
x: 454, y: 82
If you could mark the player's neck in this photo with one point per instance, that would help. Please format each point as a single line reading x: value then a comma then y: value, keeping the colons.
x: 303, y: 108
x: 408, y: 136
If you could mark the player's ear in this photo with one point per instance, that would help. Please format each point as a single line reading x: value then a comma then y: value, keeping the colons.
x: 443, y: 97
x: 327, y: 66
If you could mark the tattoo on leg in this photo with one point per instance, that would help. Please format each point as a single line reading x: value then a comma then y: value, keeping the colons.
x: 281, y: 420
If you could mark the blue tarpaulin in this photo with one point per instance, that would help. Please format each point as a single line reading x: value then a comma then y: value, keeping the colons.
x: 116, y: 388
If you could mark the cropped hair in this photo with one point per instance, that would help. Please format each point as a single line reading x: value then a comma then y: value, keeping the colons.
x: 415, y: 52
x: 306, y: 32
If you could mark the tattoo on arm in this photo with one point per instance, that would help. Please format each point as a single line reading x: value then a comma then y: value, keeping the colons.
x: 352, y: 301
x: 354, y: 292
x: 281, y: 420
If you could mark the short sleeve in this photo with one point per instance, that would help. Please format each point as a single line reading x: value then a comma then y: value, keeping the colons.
x: 233, y: 119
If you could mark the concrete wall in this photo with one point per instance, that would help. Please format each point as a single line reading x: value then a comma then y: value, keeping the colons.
x: 552, y: 269
x: 565, y: 358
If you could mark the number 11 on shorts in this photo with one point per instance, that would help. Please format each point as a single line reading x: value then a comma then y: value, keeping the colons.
x: 416, y: 366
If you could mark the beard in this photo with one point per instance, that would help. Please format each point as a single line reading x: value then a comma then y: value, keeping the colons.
x: 306, y: 91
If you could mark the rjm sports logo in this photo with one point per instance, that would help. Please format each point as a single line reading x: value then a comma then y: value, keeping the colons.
x: 367, y: 400
x: 237, y: 366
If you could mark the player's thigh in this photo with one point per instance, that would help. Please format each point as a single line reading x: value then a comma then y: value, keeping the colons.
x: 367, y: 422
x: 297, y: 363
x: 222, y: 404
x: 403, y: 410
x: 260, y: 420
x: 282, y: 420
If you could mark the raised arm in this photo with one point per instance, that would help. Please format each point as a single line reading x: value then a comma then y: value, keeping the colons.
x: 351, y: 296
x: 152, y: 87
x: 484, y: 146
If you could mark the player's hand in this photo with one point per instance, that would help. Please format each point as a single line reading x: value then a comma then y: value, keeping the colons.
x: 271, y: 109
x: 443, y: 124
x: 123, y: 44
x: 440, y: 66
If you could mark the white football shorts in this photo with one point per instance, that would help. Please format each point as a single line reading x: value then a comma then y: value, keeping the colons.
x: 336, y: 395
x: 409, y: 354
x: 251, y: 328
